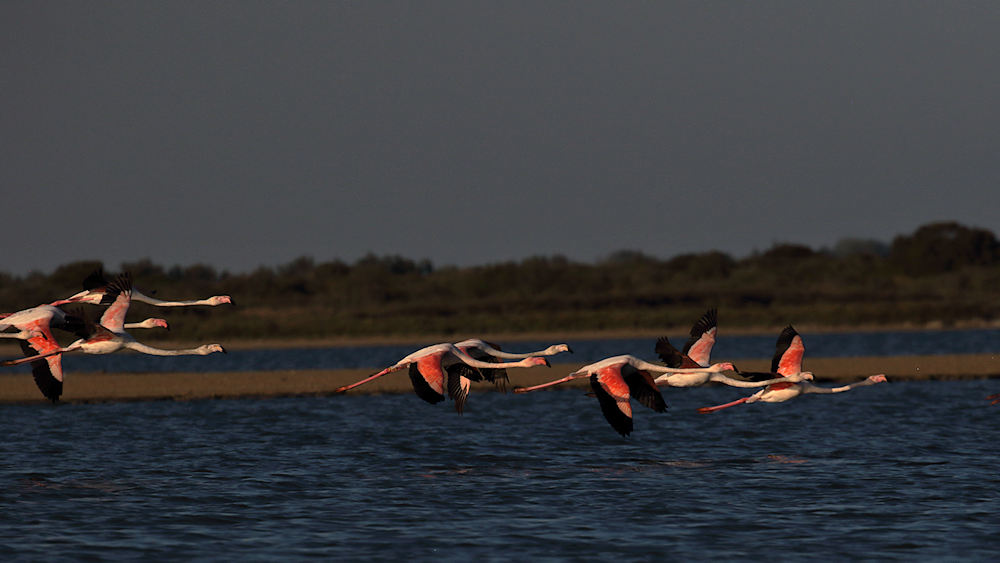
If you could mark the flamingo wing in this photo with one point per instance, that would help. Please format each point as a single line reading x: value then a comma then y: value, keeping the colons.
x: 670, y: 356
x: 613, y: 394
x: 427, y: 378
x: 788, y: 353
x: 458, y: 389
x: 642, y: 387
x: 121, y: 291
x: 496, y: 376
x: 699, y: 347
x: 95, y: 282
x: 47, y: 372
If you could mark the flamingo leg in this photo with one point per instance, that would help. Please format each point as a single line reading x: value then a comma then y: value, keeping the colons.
x: 25, y: 360
x: 346, y: 388
x: 706, y: 410
x: 569, y: 377
x: 22, y: 335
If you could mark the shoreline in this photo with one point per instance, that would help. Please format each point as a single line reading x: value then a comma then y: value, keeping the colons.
x: 85, y: 388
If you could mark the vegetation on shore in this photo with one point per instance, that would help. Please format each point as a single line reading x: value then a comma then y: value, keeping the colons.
x: 943, y: 273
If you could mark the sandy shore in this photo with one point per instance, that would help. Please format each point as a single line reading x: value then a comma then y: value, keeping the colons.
x: 116, y: 387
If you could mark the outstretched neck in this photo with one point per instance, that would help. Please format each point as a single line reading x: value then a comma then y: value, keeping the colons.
x: 140, y: 347
x: 646, y: 366
x: 470, y: 361
x: 159, y: 303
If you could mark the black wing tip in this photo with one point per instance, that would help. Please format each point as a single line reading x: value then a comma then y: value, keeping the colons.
x: 95, y: 280
x: 621, y: 422
x: 663, y: 345
x: 668, y: 354
x: 645, y: 394
x: 707, y: 322
x: 456, y: 392
x: 50, y: 387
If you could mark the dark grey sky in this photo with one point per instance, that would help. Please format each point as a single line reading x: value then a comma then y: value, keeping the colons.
x: 244, y: 134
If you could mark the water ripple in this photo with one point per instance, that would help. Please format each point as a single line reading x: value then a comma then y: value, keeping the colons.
x: 889, y: 473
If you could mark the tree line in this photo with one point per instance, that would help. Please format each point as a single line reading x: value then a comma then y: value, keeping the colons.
x: 942, y: 273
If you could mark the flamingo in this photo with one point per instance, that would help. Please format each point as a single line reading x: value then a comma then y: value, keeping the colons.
x: 488, y: 352
x: 697, y: 353
x: 36, y: 326
x: 95, y: 291
x: 427, y: 370
x: 617, y: 379
x: 106, y: 337
x: 787, y: 362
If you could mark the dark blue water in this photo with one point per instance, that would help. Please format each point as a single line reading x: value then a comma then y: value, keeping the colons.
x: 585, y: 351
x: 901, y: 472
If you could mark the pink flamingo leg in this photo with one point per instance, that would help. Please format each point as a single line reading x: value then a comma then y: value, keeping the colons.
x: 346, y: 388
x: 30, y: 358
x: 706, y: 410
x: 551, y: 383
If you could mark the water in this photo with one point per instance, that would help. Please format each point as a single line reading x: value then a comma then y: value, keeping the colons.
x: 901, y: 472
x: 585, y: 351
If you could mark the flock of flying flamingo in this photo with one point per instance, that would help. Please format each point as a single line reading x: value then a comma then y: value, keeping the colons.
x: 104, y: 336
x: 615, y: 381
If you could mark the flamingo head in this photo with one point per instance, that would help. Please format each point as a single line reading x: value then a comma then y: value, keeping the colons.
x: 556, y: 348
x: 800, y: 376
x: 880, y: 378
x: 536, y: 361
x: 157, y: 323
x: 209, y: 348
x: 219, y: 300
x: 726, y: 366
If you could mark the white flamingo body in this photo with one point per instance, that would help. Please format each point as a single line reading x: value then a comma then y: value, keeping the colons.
x: 781, y: 392
x: 697, y: 353
x: 615, y: 381
x: 41, y: 347
x: 105, y: 338
x: 487, y: 352
x: 96, y: 291
x: 33, y: 321
x: 428, y: 370
x: 787, y: 363
x: 36, y: 326
x: 109, y: 334
x: 636, y: 363
x: 697, y: 379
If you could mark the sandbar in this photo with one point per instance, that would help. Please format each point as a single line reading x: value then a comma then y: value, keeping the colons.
x: 81, y: 388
